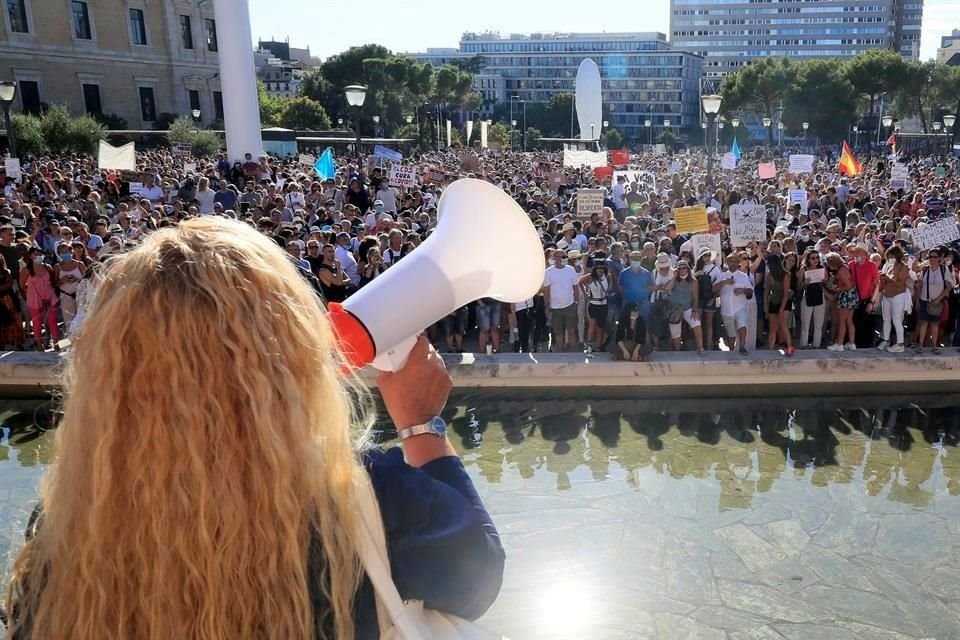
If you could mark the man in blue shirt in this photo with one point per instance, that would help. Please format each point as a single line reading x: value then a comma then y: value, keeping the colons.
x: 635, y: 284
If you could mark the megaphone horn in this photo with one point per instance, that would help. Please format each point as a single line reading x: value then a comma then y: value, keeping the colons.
x: 484, y: 246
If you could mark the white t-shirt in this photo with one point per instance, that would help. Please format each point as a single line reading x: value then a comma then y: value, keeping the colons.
x: 730, y: 302
x: 153, y: 194
x: 561, y: 282
x: 618, y: 196
x: 389, y: 197
x: 205, y: 200
x: 348, y: 263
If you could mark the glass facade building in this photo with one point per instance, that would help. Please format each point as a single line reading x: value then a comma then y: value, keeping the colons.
x: 731, y: 33
x: 643, y: 76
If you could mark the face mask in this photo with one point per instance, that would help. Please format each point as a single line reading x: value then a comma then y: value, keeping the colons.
x: 37, y: 259
x: 563, y: 262
x: 379, y: 208
x: 861, y: 259
x: 635, y: 245
x: 635, y: 266
x: 64, y: 257
x: 805, y: 238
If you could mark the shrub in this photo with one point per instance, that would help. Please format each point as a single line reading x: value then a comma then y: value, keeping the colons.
x: 55, y: 125
x: 164, y: 120
x: 111, y: 120
x: 85, y: 133
x: 28, y: 135
x: 205, y: 143
x: 182, y: 130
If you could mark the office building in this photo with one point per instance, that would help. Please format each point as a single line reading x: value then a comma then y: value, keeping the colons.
x: 643, y: 76
x: 281, y: 67
x: 135, y: 59
x: 732, y: 33
x: 949, y: 50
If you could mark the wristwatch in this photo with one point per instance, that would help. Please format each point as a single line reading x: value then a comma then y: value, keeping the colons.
x: 434, y: 426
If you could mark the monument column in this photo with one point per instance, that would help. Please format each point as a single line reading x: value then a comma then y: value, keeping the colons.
x: 238, y: 79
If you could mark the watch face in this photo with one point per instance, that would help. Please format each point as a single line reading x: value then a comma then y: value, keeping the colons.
x: 439, y: 426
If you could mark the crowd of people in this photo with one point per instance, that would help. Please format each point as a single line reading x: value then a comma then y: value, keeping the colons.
x: 839, y: 271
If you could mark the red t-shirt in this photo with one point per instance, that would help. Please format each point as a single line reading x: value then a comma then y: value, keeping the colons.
x: 865, y: 274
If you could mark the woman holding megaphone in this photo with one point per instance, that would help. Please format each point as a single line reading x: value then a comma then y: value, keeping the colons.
x: 212, y: 459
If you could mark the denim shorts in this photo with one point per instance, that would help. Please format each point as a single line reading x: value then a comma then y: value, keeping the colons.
x: 488, y: 316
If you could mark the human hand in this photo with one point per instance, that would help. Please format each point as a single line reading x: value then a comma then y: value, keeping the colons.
x: 417, y: 392
x: 636, y: 356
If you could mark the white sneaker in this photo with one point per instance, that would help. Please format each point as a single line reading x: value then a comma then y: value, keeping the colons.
x: 835, y: 347
x: 883, y: 345
x: 850, y: 347
x: 897, y: 348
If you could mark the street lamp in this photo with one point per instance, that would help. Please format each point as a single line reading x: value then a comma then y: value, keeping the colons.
x: 856, y: 133
x: 196, y: 114
x: 8, y: 93
x: 780, y: 134
x: 339, y: 122
x: 805, y: 125
x: 937, y: 126
x: 513, y: 126
x: 735, y: 121
x: 897, y: 125
x: 711, y: 107
x: 766, y: 125
x: 887, y: 121
x: 356, y: 94
x: 647, y: 124
x: 606, y: 123
x: 948, y: 122
x: 409, y: 119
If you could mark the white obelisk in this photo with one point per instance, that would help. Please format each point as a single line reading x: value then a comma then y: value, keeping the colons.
x: 238, y: 79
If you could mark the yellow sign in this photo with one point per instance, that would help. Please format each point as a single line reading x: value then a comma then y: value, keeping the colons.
x: 691, y: 219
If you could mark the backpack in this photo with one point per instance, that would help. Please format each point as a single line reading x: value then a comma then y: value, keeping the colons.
x: 705, y: 287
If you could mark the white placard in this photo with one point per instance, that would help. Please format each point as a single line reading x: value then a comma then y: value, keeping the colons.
x: 136, y: 187
x: 706, y: 241
x: 122, y: 158
x: 729, y: 161
x: 578, y: 158
x: 748, y: 223
x: 307, y: 160
x: 675, y: 166
x: 403, y: 176
x: 898, y: 176
x: 799, y: 196
x: 801, y: 163
x: 812, y: 276
x: 11, y: 167
x: 181, y: 150
x: 190, y: 167
x: 589, y: 202
x: 644, y: 178
x: 936, y: 233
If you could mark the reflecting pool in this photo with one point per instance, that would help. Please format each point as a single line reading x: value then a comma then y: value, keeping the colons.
x: 780, y: 518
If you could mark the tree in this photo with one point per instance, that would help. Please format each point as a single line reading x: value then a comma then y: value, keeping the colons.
x: 759, y: 88
x: 915, y: 91
x: 498, y: 135
x: 873, y: 73
x: 64, y: 133
x: 473, y: 64
x: 946, y: 82
x: 182, y: 130
x: 613, y: 139
x: 532, y: 138
x: 202, y: 142
x: 270, y: 106
x: 821, y: 95
x: 667, y: 138
x: 28, y: 134
x: 304, y: 113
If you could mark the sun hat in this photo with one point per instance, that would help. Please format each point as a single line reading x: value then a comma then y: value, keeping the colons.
x: 663, y: 260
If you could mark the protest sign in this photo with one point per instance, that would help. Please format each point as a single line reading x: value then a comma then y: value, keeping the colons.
x: 620, y: 156
x: 748, y: 223
x: 813, y: 276
x: 579, y: 158
x: 589, y: 202
x: 136, y: 187
x: 181, y: 150
x: 767, y: 170
x: 383, y: 153
x: 122, y: 158
x: 898, y: 176
x: 691, y: 219
x: 935, y: 234
x: 307, y: 160
x: 190, y: 167
x: 799, y: 196
x: 729, y: 161
x: 555, y: 179
x: 643, y: 178
x: 11, y: 167
x: 403, y: 176
x: 801, y: 163
x: 706, y: 241
x: 675, y: 166
x: 602, y: 173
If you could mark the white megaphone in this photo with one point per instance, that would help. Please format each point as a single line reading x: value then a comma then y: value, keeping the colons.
x: 484, y: 246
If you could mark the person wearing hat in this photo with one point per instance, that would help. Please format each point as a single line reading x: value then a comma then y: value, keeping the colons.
x: 866, y: 278
x: 561, y: 294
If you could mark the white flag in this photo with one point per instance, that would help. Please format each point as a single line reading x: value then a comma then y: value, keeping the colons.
x: 449, y: 131
x: 120, y: 158
x: 483, y: 134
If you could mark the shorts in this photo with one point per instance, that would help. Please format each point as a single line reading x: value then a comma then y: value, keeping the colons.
x: 692, y: 322
x: 735, y: 322
x: 455, y: 324
x: 848, y: 299
x: 710, y: 306
x: 564, y: 319
x: 923, y: 316
x: 598, y: 313
x: 488, y: 316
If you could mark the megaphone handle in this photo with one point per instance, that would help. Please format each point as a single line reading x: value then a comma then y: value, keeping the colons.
x: 394, y: 359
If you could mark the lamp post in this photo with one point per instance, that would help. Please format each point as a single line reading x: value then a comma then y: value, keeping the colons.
x: 593, y: 135
x: 805, y: 125
x: 948, y: 121
x: 8, y: 93
x: 936, y: 132
x: 780, y: 134
x: 647, y: 124
x: 887, y: 122
x: 196, y: 115
x: 856, y: 133
x: 356, y: 94
x: 721, y: 125
x: 711, y: 107
x: 339, y: 122
x: 766, y: 125
x: 513, y: 125
x: 666, y: 125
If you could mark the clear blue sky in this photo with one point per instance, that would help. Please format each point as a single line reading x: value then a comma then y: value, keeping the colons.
x: 413, y: 25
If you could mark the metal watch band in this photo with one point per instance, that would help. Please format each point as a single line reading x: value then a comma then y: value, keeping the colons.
x: 416, y: 430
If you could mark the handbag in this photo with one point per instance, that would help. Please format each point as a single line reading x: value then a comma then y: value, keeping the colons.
x: 399, y: 619
x: 934, y: 308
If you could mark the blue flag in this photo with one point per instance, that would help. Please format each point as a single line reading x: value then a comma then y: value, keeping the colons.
x: 735, y: 150
x: 325, y: 167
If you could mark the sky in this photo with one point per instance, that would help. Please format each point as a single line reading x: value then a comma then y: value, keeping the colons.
x: 414, y: 25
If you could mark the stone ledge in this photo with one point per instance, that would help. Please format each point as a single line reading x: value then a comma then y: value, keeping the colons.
x: 31, y: 372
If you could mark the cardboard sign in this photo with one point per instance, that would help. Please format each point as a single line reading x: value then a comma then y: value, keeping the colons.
x: 706, y: 241
x: 812, y: 276
x: 691, y: 219
x: 12, y: 168
x: 180, y: 150
x: 748, y: 223
x: 767, y: 170
x: 644, y: 178
x: 589, y: 202
x: 936, y: 234
x: 898, y: 176
x: 620, y: 157
x: 729, y: 161
x: 799, y: 196
x: 801, y: 163
x: 403, y: 176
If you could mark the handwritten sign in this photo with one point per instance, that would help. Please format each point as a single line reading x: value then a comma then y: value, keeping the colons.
x: 589, y: 202
x: 189, y: 167
x: 801, y: 163
x: 691, y: 219
x: 401, y: 176
x: 898, y: 176
x: 11, y: 167
x: 675, y: 166
x: 813, y: 276
x: 181, y: 150
x: 706, y: 241
x: 729, y: 161
x: 644, y: 178
x: 935, y: 234
x: 748, y: 223
x: 307, y: 160
x: 767, y: 170
x: 799, y: 196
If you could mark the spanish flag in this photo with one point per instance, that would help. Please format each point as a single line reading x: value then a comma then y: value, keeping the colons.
x: 848, y: 164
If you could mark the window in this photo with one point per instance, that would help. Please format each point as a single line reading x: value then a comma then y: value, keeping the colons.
x: 81, y: 20
x: 194, y: 97
x: 30, y: 96
x: 17, y: 10
x: 91, y: 99
x: 218, y: 105
x: 211, y: 34
x: 148, y: 108
x: 186, y: 33
x: 138, y: 28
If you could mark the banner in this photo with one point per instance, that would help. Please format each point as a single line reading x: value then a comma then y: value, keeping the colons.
x: 483, y: 134
x: 387, y: 154
x: 401, y: 176
x: 589, y: 202
x: 729, y: 161
x: 691, y: 219
x: 706, y: 241
x: 620, y: 157
x: 767, y: 170
x: 799, y: 196
x: 449, y: 131
x: 898, y: 176
x: 466, y: 142
x: 120, y: 158
x: 602, y: 173
x: 646, y: 179
x: 578, y: 158
x: 11, y: 168
x: 801, y: 163
x: 935, y: 234
x: 748, y: 223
